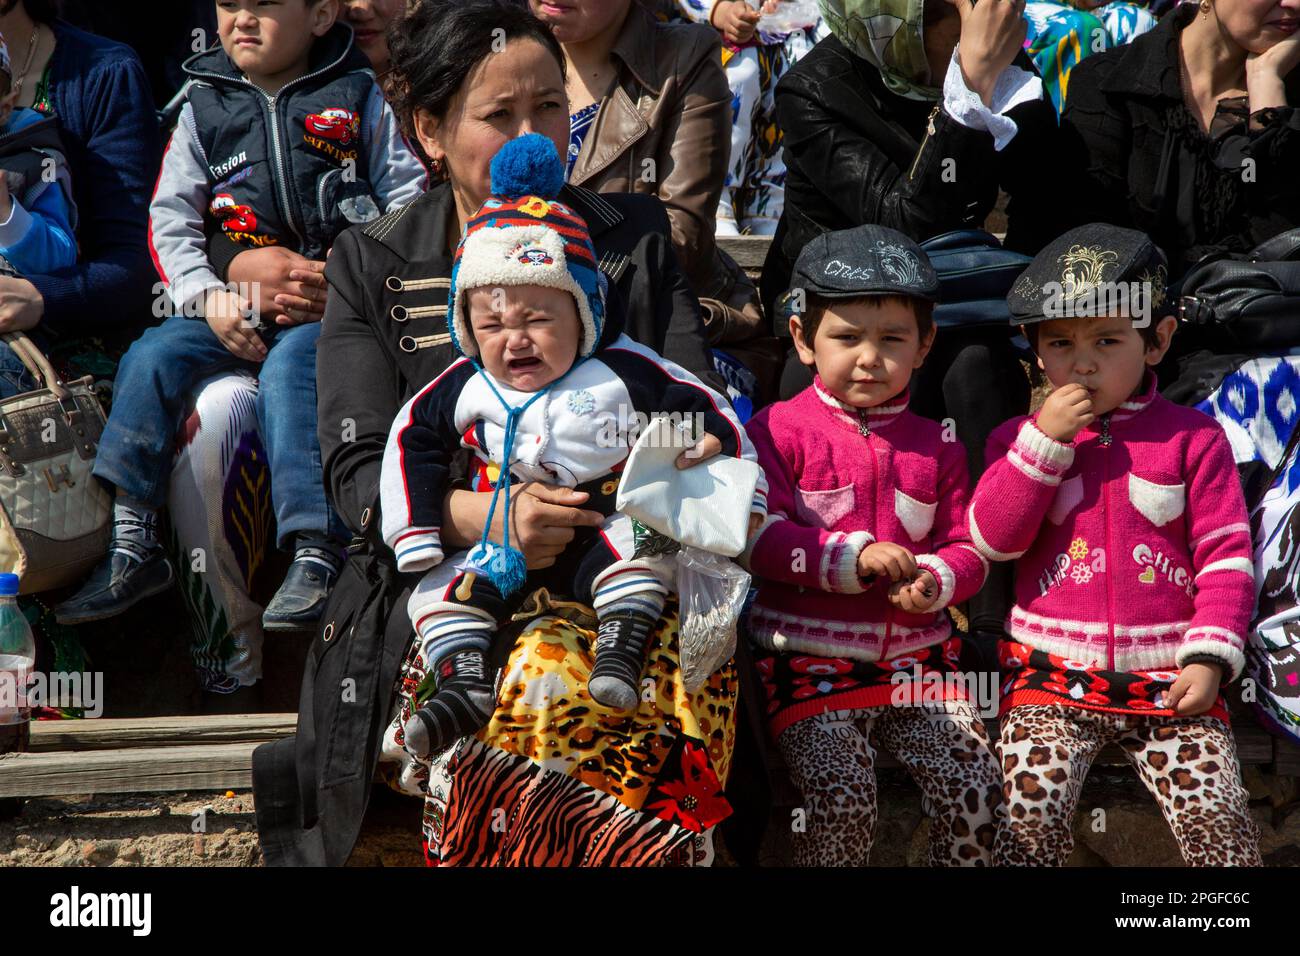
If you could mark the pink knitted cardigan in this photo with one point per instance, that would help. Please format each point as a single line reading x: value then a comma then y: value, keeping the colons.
x: 840, y: 478
x: 1132, y: 545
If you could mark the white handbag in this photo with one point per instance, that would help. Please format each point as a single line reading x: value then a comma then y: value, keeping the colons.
x: 54, y: 515
x: 706, y: 506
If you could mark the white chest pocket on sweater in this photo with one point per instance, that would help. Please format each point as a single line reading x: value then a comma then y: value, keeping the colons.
x: 916, y: 516
x: 822, y: 509
x: 1159, y: 504
x: 1069, y: 495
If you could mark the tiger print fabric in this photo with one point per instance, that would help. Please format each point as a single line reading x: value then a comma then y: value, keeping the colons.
x: 666, y: 763
x: 543, y: 818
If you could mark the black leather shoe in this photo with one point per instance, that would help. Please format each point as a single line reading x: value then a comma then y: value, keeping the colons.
x: 300, y: 602
x: 116, y: 584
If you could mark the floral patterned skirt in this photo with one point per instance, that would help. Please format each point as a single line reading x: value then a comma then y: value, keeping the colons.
x: 557, y: 780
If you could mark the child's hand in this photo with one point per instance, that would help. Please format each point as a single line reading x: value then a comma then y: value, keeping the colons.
x: 6, y: 204
x: 702, y: 450
x: 885, y: 557
x: 736, y: 20
x: 755, y: 522
x: 1195, y: 691
x: 769, y: 7
x: 224, y: 311
x: 1066, y: 412
x: 917, y: 595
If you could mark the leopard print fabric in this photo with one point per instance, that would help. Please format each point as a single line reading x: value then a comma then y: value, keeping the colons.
x: 944, y: 747
x: 1188, y: 763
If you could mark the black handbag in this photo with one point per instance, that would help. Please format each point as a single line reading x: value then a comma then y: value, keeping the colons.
x: 1252, y: 297
x: 975, y: 275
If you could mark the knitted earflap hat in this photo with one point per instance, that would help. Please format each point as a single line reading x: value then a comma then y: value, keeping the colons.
x: 523, y: 236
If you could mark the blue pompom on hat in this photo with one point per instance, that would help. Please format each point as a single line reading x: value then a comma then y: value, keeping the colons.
x: 527, y: 166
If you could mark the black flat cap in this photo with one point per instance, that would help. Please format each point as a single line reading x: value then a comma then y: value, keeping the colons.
x: 1092, y: 270
x: 864, y: 260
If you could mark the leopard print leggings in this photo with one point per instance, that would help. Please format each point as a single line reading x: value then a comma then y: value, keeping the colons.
x: 1188, y: 763
x: 944, y: 747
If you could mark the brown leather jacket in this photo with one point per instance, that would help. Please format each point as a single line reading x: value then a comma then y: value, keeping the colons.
x: 665, y: 129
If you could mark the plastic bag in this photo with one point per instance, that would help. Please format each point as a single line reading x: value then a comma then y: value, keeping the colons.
x: 712, y: 591
x: 790, y: 15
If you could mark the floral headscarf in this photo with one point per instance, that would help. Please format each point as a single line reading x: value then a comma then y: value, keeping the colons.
x: 887, y: 34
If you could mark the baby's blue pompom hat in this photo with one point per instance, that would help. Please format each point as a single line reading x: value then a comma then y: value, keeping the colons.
x: 523, y: 235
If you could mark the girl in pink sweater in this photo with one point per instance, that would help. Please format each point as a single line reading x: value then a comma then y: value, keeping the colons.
x: 864, y: 547
x: 1134, y: 576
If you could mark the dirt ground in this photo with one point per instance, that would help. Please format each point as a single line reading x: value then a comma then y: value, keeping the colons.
x: 180, y: 829
x: 172, y: 830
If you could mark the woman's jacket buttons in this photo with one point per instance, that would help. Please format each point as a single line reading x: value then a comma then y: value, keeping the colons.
x: 365, y: 518
x: 398, y: 312
x: 328, y: 634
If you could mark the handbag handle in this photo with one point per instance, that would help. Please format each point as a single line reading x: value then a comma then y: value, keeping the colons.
x: 36, y: 362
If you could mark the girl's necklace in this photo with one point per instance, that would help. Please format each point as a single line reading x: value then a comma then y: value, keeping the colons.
x: 31, y: 55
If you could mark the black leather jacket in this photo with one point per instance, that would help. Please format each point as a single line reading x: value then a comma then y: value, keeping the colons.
x: 1138, y: 157
x: 857, y: 153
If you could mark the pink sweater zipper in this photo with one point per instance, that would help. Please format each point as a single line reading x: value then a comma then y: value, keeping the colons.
x: 864, y: 429
x: 1105, y: 442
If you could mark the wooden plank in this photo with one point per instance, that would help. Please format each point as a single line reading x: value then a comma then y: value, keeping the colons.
x: 748, y: 251
x: 148, y: 769
x: 117, y: 733
x: 1287, y: 757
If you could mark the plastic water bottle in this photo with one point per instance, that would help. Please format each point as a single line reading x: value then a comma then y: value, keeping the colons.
x: 17, y: 655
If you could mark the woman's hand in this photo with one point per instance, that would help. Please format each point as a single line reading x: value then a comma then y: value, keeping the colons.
x: 1266, y: 73
x: 1195, y: 690
x: 992, y: 33
x: 289, y: 288
x: 544, y: 519
x: 21, y: 305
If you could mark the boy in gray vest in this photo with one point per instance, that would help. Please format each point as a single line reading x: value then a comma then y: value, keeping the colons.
x: 285, y: 139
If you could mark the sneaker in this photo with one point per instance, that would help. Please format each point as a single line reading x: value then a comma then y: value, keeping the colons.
x: 117, y: 584
x: 300, y: 602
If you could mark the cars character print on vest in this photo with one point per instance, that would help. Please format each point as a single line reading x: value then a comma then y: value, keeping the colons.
x: 336, y: 123
x: 332, y: 131
x: 233, y: 217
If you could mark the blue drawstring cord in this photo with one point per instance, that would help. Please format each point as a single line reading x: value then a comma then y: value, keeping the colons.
x: 507, y: 568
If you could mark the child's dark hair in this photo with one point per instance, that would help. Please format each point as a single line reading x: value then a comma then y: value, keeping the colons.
x: 1150, y: 338
x: 434, y: 48
x: 816, y: 305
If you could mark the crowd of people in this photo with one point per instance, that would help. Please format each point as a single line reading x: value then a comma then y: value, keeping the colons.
x: 448, y: 239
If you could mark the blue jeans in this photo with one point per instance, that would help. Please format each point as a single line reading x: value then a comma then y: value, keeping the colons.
x: 152, y: 392
x: 14, y: 377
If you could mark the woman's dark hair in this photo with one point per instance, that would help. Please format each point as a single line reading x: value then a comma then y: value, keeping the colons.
x: 42, y: 11
x: 434, y: 48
